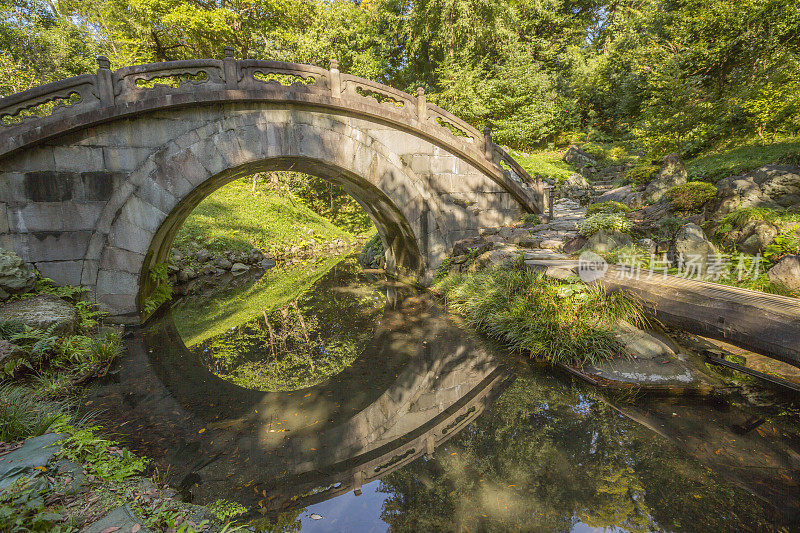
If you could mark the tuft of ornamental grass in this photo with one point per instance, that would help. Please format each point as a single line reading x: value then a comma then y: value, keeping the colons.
x: 561, y: 322
x: 23, y: 413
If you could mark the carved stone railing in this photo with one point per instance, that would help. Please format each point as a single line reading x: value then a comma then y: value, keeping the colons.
x: 68, y: 105
x: 62, y: 97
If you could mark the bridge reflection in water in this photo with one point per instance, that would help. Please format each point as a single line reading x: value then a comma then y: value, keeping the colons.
x: 548, y: 453
x: 418, y: 382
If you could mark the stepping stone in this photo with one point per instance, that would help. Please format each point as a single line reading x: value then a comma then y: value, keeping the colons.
x: 34, y: 452
x: 121, y: 518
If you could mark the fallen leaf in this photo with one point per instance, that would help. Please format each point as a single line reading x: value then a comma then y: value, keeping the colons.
x: 136, y: 528
x: 202, y: 430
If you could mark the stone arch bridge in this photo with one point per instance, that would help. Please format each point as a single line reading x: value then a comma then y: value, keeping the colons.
x: 99, y: 171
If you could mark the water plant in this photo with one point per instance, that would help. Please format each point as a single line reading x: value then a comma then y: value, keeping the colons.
x: 558, y: 321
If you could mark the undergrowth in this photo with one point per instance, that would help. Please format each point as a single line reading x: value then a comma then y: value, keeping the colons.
x: 561, y: 322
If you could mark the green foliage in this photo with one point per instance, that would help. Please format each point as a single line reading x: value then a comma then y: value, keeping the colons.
x: 224, y: 510
x: 24, y: 414
x: 692, y: 196
x: 607, y: 207
x: 563, y: 322
x: 444, y: 269
x: 24, y: 508
x: 547, y: 164
x: 785, y: 243
x: 373, y: 247
x: 608, y: 221
x: 729, y: 160
x: 641, y: 174
x: 531, y: 219
x: 161, y: 289
x: 104, y: 458
x: 669, y: 227
x: 741, y: 216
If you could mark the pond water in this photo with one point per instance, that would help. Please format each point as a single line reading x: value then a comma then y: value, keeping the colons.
x: 323, y: 398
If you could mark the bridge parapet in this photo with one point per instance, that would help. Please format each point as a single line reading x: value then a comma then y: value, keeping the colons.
x: 61, y: 107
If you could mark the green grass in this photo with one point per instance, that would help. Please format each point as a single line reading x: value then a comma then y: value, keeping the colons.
x: 279, y: 286
x: 23, y: 413
x: 562, y: 322
x: 726, y: 162
x: 233, y: 219
x: 547, y: 164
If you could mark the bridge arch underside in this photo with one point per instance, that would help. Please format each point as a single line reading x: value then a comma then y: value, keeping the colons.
x: 101, y: 206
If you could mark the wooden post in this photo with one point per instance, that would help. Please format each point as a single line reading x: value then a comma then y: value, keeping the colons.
x: 336, y: 80
x: 422, y: 105
x: 105, y: 81
x: 229, y: 68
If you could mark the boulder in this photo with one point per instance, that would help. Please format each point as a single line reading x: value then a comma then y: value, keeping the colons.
x: 485, y: 232
x: 42, y: 312
x: 604, y: 241
x: 239, y: 268
x: 16, y: 276
x: 574, y: 244
x: 267, y: 263
x: 672, y: 173
x: 647, y: 244
x: 615, y: 195
x: 202, y: 255
x: 475, y: 245
x: 756, y: 236
x: 786, y: 272
x: 777, y: 180
x: 694, y: 251
x: 223, y: 263
x: 577, y: 188
x: 576, y: 156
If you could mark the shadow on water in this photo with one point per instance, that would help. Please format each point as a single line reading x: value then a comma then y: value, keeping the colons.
x: 350, y: 382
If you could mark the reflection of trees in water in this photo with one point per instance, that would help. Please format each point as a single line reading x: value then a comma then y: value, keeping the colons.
x: 302, y: 343
x: 544, y: 457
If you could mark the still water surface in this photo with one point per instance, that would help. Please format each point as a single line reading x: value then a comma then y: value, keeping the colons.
x: 326, y: 399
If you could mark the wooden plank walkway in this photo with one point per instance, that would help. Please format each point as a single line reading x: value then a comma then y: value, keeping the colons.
x: 763, y: 323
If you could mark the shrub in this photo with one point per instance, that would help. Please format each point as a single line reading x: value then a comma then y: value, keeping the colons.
x: 607, y: 207
x: 531, y: 219
x: 641, y: 174
x: 604, y: 221
x: 617, y: 153
x: 691, y: 196
x: 563, y: 322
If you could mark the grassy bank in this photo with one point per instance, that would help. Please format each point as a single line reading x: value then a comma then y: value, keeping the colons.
x: 276, y: 288
x: 234, y: 219
x: 42, y: 379
x: 561, y: 322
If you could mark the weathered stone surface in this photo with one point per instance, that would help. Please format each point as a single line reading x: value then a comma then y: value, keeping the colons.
x: 786, y: 272
x: 575, y: 156
x: 474, y: 245
x: 42, y: 312
x: 615, y: 195
x: 672, y: 173
x: 16, y: 277
x: 239, y: 268
x: 694, y: 249
x: 223, y: 263
x: 604, y: 241
x: 574, y: 244
x: 756, y: 236
x: 35, y: 452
